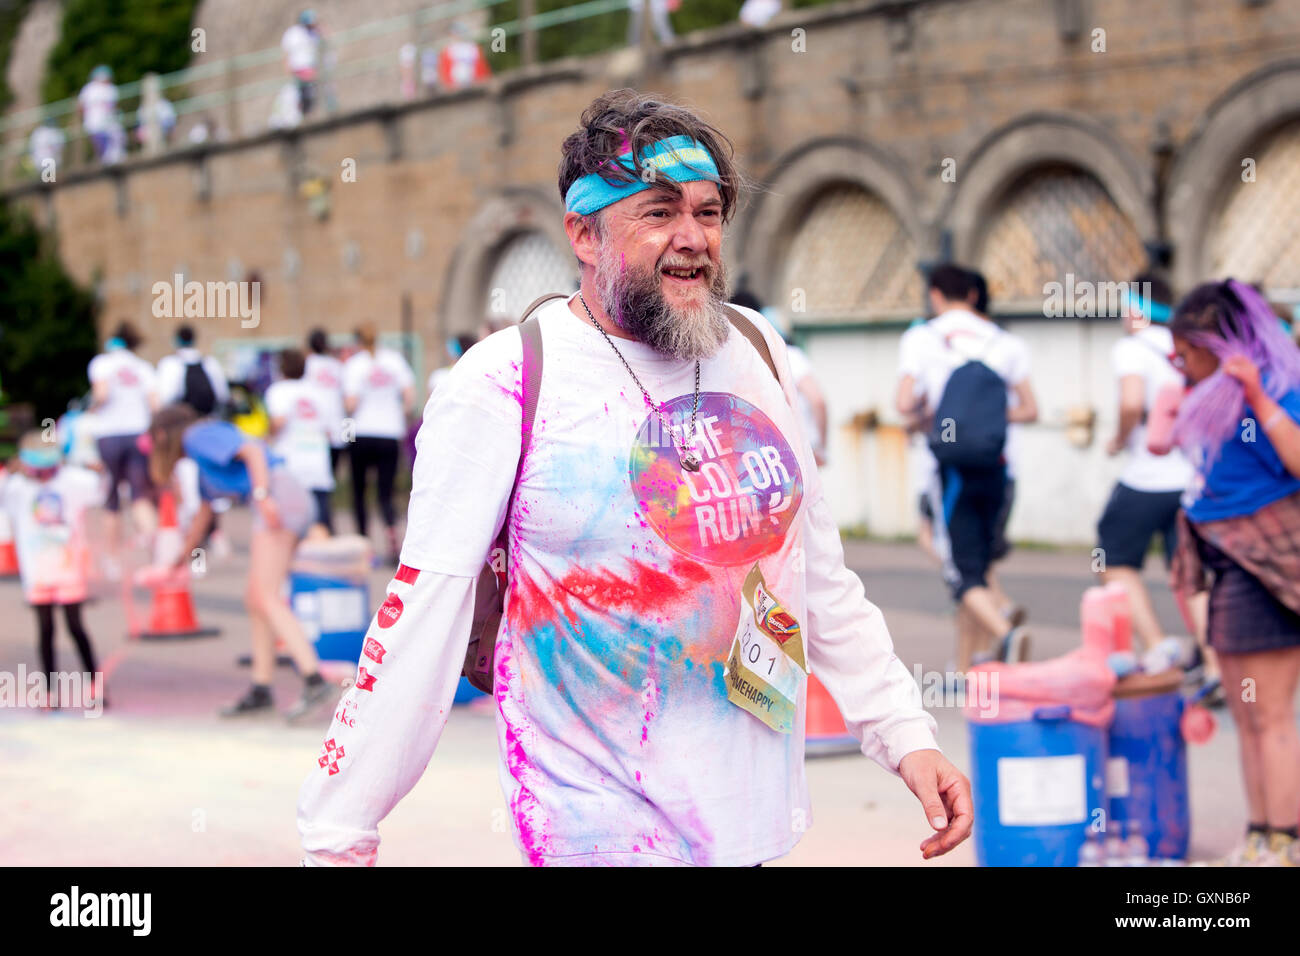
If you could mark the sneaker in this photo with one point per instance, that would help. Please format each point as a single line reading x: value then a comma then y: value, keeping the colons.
x: 312, y: 695
x: 1014, y: 646
x: 1248, y: 853
x: 1283, y: 850
x: 256, y: 701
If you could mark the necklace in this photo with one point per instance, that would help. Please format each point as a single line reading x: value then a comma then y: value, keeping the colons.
x: 686, y: 451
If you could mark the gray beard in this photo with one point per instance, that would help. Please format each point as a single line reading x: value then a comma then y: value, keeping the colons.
x: 634, y: 301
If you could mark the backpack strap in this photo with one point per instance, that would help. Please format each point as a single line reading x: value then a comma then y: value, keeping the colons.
x: 747, y: 328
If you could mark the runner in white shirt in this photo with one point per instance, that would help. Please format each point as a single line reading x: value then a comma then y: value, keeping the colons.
x: 173, y: 369
x: 456, y: 347
x: 378, y: 394
x: 301, y: 46
x: 300, y: 427
x: 967, y: 504
x: 1145, y: 500
x: 97, y: 103
x: 646, y: 555
x: 122, y: 402
x: 325, y: 372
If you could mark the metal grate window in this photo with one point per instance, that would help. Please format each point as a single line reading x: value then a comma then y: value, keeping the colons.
x: 1052, y: 223
x: 851, y: 258
x: 1256, y: 234
x: 529, y: 265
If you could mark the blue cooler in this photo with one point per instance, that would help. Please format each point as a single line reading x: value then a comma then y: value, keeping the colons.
x: 334, y: 613
x: 1036, y: 785
x: 1146, y: 775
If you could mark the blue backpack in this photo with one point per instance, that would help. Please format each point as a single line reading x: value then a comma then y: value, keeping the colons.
x: 970, y: 424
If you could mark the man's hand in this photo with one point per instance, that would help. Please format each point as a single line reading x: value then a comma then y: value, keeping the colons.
x: 944, y: 792
x: 1245, y: 372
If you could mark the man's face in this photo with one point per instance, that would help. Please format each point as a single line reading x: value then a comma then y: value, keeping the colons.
x: 659, y: 270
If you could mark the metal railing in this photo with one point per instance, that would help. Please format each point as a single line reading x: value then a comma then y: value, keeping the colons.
x: 232, y: 86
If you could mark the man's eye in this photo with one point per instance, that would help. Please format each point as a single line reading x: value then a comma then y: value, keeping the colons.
x: 659, y: 212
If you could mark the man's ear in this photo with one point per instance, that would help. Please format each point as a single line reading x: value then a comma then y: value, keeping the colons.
x: 581, y: 239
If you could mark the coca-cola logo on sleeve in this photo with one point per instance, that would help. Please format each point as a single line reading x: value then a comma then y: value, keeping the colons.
x: 390, y: 611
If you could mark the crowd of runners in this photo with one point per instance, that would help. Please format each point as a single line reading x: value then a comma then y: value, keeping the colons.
x: 614, y: 484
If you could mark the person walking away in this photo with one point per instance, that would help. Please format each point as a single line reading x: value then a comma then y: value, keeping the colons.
x: 46, y: 502
x: 301, y: 46
x: 325, y: 373
x: 232, y: 465
x: 1239, y: 537
x: 122, y: 399
x: 1015, y: 613
x: 659, y: 10
x: 969, y: 415
x: 378, y: 394
x: 189, y: 376
x: 1145, y: 500
x: 97, y: 105
x: 301, y: 433
x: 461, y: 62
x: 642, y: 556
x: 456, y: 347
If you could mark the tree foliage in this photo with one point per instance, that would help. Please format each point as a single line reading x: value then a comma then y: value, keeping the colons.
x: 47, y: 320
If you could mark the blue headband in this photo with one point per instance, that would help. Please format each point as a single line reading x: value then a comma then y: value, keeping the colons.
x: 39, y: 457
x: 115, y: 343
x: 679, y: 158
x: 1154, y: 311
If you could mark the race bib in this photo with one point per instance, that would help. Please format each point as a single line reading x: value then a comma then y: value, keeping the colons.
x: 766, y: 665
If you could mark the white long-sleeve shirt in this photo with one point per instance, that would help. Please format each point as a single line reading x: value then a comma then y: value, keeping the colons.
x: 617, y: 737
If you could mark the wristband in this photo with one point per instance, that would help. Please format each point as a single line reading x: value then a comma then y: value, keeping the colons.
x: 1279, y: 412
x: 260, y: 494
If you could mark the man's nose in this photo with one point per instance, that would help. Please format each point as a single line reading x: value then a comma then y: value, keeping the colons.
x: 689, y: 236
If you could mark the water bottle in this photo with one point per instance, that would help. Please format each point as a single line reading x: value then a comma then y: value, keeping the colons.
x: 1135, y: 847
x: 1090, y: 854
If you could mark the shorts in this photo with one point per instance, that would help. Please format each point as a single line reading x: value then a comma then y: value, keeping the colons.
x: 295, y: 504
x: 970, y: 502
x: 124, y: 461
x: 1130, y: 520
x: 1244, y: 617
x: 1002, y: 547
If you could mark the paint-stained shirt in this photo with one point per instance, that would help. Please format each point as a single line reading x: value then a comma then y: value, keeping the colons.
x: 629, y: 728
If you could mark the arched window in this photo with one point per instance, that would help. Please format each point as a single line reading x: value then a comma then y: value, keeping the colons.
x: 529, y: 265
x: 850, y: 259
x: 1052, y: 222
x: 1255, y: 234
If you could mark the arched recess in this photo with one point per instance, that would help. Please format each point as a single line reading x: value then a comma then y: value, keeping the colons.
x: 496, y: 227
x: 1035, y: 141
x: 800, y: 183
x: 1208, y: 172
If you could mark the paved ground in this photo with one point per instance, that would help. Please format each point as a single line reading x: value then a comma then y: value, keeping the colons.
x: 159, y: 779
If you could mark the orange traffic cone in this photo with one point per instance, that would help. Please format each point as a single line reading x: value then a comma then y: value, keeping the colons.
x: 172, y: 614
x: 825, y: 732
x: 8, y: 553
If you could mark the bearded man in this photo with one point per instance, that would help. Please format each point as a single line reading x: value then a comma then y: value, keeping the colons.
x: 674, y: 569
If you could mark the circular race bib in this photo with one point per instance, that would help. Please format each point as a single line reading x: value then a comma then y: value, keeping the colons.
x: 745, y: 496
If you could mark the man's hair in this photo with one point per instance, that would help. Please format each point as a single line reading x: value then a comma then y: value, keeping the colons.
x: 185, y: 335
x: 128, y: 334
x: 318, y: 342
x: 951, y: 281
x: 1160, y: 291
x: 292, y: 363
x: 980, y: 291
x: 626, y: 116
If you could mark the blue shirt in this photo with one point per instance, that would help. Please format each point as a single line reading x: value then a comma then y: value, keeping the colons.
x: 213, y: 447
x: 1247, y: 475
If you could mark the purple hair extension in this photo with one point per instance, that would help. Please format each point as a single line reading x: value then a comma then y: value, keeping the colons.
x: 1213, y: 410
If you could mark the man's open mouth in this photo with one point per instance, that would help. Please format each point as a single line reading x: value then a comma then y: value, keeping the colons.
x: 683, y: 275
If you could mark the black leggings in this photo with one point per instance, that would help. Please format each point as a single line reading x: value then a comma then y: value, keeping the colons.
x: 45, y: 622
x: 381, y: 453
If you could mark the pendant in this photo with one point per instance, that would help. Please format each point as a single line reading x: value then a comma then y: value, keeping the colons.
x: 690, y: 461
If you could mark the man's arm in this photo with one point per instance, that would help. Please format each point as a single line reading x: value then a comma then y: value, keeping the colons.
x: 1132, y: 405
x: 388, y: 723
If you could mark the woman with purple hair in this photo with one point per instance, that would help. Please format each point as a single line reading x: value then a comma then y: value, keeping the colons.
x: 1240, y: 425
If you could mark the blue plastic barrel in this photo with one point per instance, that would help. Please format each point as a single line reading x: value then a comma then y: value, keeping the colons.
x: 334, y: 613
x: 465, y: 691
x: 1147, y: 772
x: 1036, y: 785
